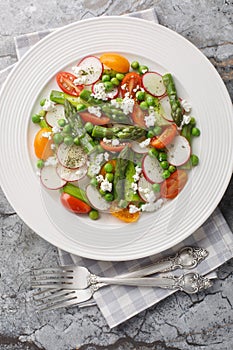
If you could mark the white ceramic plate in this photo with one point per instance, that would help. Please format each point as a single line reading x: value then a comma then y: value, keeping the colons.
x: 196, y: 79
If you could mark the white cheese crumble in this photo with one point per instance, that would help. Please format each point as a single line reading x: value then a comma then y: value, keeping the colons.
x: 149, y: 207
x: 99, y: 158
x: 186, y: 119
x: 48, y: 105
x: 99, y: 178
x: 150, y: 120
x: 94, y: 169
x: 115, y: 142
x: 134, y: 186
x: 133, y: 209
x: 107, y: 141
x: 53, y: 146
x: 144, y: 190
x: 106, y: 185
x: 106, y: 156
x: 56, y: 129
x: 50, y: 161
x: 138, y: 172
x: 144, y: 143
x: 82, y: 80
x: 99, y: 92
x: 47, y: 135
x: 186, y: 105
x: 126, y: 104
x: 96, y: 110
x: 150, y: 196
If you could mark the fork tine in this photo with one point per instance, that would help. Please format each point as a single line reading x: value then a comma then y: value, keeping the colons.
x: 51, y: 285
x: 52, y: 275
x: 52, y: 280
x: 53, y: 295
x: 63, y: 302
x: 61, y: 268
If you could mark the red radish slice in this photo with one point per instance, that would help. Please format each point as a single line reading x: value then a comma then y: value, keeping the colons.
x: 137, y: 148
x: 93, y: 69
x: 50, y: 178
x: 96, y: 200
x: 54, y: 115
x: 110, y: 94
x: 166, y: 108
x: 152, y: 170
x: 152, y: 82
x: 178, y: 151
x: 145, y: 187
x: 71, y: 175
x: 71, y: 157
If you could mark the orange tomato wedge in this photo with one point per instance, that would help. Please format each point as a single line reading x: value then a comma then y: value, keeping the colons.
x: 42, y: 144
x: 112, y: 162
x: 116, y: 62
x: 125, y: 215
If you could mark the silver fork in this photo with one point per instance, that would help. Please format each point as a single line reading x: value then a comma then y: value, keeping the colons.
x: 79, y: 277
x: 189, y: 283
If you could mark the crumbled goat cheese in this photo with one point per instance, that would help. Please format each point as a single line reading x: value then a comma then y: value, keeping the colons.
x: 138, y: 172
x: 133, y: 209
x: 106, y: 156
x: 149, y: 207
x: 56, y: 129
x: 47, y: 135
x: 134, y: 186
x: 150, y: 196
x: 186, y: 119
x: 106, y: 185
x: 50, y: 161
x: 136, y: 177
x: 144, y: 190
x: 99, y: 92
x: 53, y: 146
x: 186, y: 105
x: 149, y: 120
x: 48, y: 105
x: 115, y: 142
x: 144, y: 143
x: 82, y: 80
x: 94, y: 169
x: 123, y: 86
x: 95, y: 110
x: 99, y: 158
x: 107, y: 141
x: 99, y: 178
x: 115, y: 103
x: 127, y: 105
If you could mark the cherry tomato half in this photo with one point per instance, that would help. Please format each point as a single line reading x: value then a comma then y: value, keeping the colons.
x: 42, y: 144
x: 165, y: 138
x: 174, y: 184
x: 65, y: 81
x: 131, y: 83
x: 138, y: 116
x: 125, y: 215
x: 88, y: 117
x: 116, y: 62
x: 110, y: 148
x: 74, y: 205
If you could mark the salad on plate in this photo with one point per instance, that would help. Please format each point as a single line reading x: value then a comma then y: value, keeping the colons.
x: 114, y: 137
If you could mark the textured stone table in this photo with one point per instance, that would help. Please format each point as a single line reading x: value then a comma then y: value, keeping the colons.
x: 203, y: 321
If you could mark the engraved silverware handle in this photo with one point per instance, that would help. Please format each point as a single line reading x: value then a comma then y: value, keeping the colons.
x: 189, y: 283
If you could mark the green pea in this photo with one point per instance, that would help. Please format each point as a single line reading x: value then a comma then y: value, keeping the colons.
x: 120, y: 76
x: 140, y: 95
x: 42, y: 113
x: 108, y: 167
x: 108, y: 197
x: 135, y: 65
x: 81, y: 107
x: 77, y: 141
x: 164, y: 164
x: 42, y: 102
x: 157, y: 130
x: 195, y: 132
x: 192, y: 121
x: 106, y: 77
x: 113, y: 73
x: 94, y: 182
x: 144, y: 105
x: 115, y: 81
x: 156, y: 187
x: 36, y: 118
x: 108, y: 85
x: 93, y: 214
x: 89, y: 127
x: 194, y: 160
x: 172, y: 168
x: 102, y: 192
x: 143, y: 69
x: 57, y: 138
x: 162, y: 156
x: 150, y: 100
x: 67, y: 129
x: 150, y: 134
x: 153, y: 152
x: 166, y: 174
x: 109, y: 177
x: 40, y: 164
x: 61, y: 122
x: 68, y: 140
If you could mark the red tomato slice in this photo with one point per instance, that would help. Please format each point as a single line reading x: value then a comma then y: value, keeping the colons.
x: 165, y: 138
x: 174, y: 184
x: 65, y: 81
x: 131, y: 83
x: 88, y: 117
x: 138, y: 116
x: 110, y: 148
x: 74, y: 205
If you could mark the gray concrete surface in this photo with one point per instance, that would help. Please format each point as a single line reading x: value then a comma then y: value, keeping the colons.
x: 181, y: 322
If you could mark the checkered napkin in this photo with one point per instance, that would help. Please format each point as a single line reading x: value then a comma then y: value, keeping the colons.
x: 119, y: 303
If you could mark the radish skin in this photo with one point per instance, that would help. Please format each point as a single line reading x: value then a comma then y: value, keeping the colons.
x: 152, y: 170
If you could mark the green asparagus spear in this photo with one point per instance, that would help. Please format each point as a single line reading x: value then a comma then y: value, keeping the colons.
x: 77, y: 127
x: 60, y: 97
x: 121, y: 132
x: 174, y: 101
x: 119, y: 177
x: 75, y: 192
x: 130, y: 196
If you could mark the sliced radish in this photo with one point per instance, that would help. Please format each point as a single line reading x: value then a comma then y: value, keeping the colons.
x: 110, y: 94
x: 54, y: 115
x: 71, y: 157
x: 178, y: 151
x: 137, y: 148
x: 92, y: 68
x: 145, y: 187
x: 96, y: 200
x: 166, y: 108
x: 152, y: 169
x: 71, y: 175
x: 50, y: 179
x: 152, y: 82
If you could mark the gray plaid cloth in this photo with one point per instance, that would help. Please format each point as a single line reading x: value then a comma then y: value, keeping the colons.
x: 119, y: 303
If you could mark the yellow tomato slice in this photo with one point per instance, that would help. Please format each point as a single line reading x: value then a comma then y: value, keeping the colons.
x: 42, y: 144
x: 125, y: 215
x: 116, y: 62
